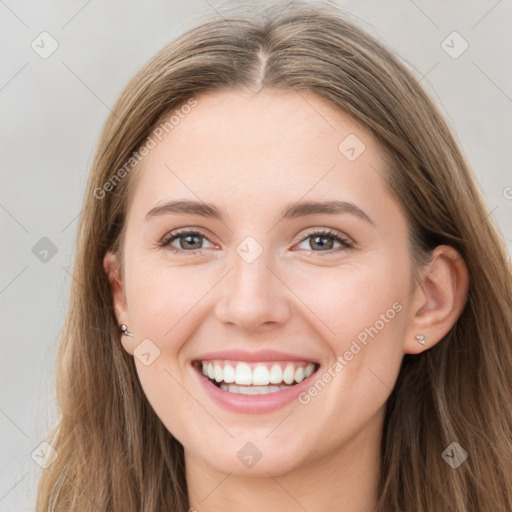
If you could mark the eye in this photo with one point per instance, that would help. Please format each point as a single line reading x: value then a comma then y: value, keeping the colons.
x: 325, y: 240
x: 189, y: 241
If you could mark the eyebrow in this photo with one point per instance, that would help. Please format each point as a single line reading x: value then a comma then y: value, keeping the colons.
x: 291, y: 211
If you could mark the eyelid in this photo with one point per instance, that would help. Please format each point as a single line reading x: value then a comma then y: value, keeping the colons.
x: 329, y: 231
x: 187, y: 229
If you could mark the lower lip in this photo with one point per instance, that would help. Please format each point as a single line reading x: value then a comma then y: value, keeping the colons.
x: 253, y: 404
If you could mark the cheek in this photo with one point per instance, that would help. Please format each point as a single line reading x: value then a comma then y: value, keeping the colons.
x: 168, y: 399
x: 354, y: 301
x: 361, y: 314
x: 161, y: 299
x: 165, y: 307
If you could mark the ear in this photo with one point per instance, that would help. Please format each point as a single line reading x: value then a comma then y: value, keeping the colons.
x: 438, y: 300
x: 111, y: 266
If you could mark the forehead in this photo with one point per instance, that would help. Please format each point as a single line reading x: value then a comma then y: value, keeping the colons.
x: 293, y: 123
x: 265, y: 147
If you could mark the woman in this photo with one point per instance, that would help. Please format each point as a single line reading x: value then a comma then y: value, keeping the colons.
x: 287, y: 293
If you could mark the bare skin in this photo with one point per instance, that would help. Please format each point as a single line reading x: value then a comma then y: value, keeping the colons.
x: 250, y: 156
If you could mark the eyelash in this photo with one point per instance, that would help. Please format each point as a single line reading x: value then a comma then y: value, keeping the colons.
x: 166, y: 241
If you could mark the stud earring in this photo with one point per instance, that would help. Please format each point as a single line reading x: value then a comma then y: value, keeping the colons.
x: 125, y: 330
x: 421, y: 339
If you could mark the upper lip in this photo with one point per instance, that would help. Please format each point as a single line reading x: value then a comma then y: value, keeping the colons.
x: 259, y: 355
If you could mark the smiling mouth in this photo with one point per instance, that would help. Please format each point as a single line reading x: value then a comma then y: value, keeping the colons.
x: 249, y: 378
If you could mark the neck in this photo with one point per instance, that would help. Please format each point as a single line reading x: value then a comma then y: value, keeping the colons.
x: 344, y: 479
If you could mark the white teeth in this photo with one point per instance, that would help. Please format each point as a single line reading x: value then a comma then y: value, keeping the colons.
x: 229, y: 374
x: 243, y: 374
x: 288, y: 374
x: 260, y: 376
x: 276, y: 374
x: 299, y: 374
x: 217, y: 370
x: 252, y: 390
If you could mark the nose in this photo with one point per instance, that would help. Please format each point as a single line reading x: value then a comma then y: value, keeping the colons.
x: 254, y: 297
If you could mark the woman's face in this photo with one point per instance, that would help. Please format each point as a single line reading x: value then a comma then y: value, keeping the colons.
x: 266, y: 290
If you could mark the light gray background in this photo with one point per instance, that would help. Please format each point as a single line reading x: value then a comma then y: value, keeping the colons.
x: 52, y: 111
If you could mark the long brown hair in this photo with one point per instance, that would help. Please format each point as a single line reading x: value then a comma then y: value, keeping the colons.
x: 113, y: 451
